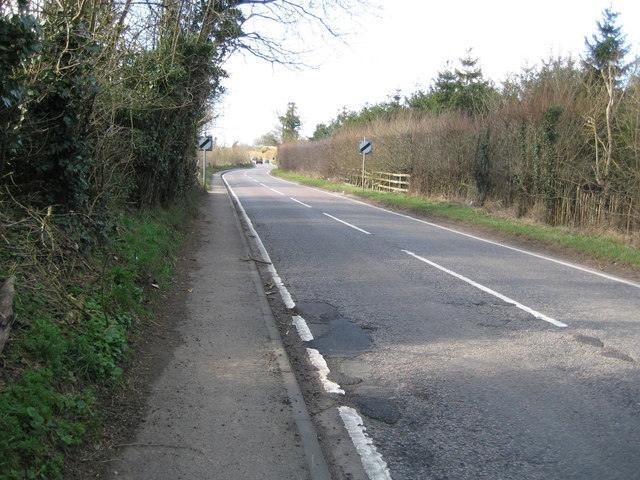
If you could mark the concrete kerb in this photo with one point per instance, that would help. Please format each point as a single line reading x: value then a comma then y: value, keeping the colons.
x: 315, y: 458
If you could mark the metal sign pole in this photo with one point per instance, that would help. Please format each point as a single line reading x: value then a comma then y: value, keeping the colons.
x: 205, y: 144
x: 204, y: 164
x: 363, y: 157
x: 365, y: 148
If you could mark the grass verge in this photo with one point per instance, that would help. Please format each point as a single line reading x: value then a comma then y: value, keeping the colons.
x: 70, y: 341
x: 600, y: 248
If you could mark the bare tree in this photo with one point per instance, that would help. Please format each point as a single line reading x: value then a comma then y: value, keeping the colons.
x: 605, y: 68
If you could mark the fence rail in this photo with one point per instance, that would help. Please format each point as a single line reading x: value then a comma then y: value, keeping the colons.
x: 386, y: 181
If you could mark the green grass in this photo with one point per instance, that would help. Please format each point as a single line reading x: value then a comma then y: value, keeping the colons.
x: 600, y: 248
x: 58, y: 358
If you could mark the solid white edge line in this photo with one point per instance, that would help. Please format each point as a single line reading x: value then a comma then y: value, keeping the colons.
x: 303, y: 329
x: 538, y: 315
x: 284, y: 293
x: 320, y: 363
x: 305, y: 427
x: 480, y: 239
x: 374, y: 465
x: 317, y: 358
x: 372, y: 461
x: 347, y: 224
x: 303, y: 204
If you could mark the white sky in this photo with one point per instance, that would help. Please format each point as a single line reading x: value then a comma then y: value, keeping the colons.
x: 403, y: 46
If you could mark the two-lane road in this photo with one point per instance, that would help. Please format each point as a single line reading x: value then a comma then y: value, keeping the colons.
x: 467, y: 358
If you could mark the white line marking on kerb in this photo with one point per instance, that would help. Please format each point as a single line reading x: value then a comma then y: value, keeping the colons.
x: 347, y: 224
x: 303, y: 204
x: 303, y: 329
x: 372, y: 461
x: 319, y: 362
x: 535, y: 313
x: 284, y: 293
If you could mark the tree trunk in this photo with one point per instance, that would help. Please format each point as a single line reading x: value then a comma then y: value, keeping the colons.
x: 6, y: 308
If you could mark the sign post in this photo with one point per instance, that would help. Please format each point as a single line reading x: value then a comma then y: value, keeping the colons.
x: 206, y: 145
x: 366, y: 147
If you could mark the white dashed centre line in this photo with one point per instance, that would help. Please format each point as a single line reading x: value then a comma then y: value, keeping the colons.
x: 535, y: 313
x: 480, y: 239
x: 303, y: 204
x: 347, y: 224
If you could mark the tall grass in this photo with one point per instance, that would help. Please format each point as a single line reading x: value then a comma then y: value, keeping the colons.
x: 222, y: 156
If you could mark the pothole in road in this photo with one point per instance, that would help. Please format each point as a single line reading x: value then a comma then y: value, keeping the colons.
x: 333, y: 334
x: 316, y: 311
x: 617, y: 355
x: 344, y: 340
x: 587, y: 340
x: 378, y: 408
x: 609, y: 352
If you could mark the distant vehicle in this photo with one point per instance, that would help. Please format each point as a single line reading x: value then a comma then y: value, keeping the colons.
x: 258, y: 161
x: 266, y: 160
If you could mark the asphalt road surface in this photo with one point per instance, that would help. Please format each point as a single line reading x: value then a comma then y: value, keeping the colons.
x: 466, y: 358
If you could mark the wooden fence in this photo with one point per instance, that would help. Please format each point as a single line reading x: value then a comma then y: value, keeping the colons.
x: 385, y: 181
x: 588, y: 209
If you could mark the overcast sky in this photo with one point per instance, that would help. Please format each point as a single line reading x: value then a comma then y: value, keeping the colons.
x: 402, y: 46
